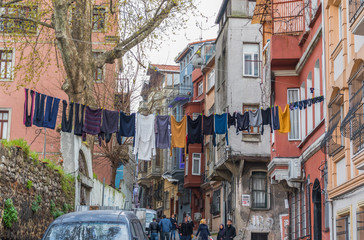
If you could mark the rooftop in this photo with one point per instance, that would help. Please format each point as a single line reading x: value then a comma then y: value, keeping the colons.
x: 187, y: 48
x: 163, y: 68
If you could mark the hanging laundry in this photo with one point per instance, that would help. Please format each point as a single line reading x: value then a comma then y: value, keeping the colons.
x: 78, y: 122
x: 266, y: 119
x: 67, y: 124
x: 284, y: 120
x: 231, y: 120
x: 178, y: 130
x: 242, y: 122
x: 275, y: 118
x: 28, y: 117
x: 38, y: 118
x: 92, y: 122
x: 109, y: 124
x: 145, y: 137
x: 208, y: 125
x: 194, y: 131
x: 255, y: 118
x: 51, y: 112
x: 163, y: 132
x: 126, y: 126
x: 221, y: 126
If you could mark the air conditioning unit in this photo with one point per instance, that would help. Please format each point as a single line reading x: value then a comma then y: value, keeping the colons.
x: 294, y: 169
x: 197, y: 216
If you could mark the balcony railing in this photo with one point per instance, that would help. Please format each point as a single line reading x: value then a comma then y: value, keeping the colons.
x: 180, y: 93
x: 288, y: 16
x: 355, y: 8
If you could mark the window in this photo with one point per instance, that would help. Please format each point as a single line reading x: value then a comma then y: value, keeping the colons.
x: 309, y: 109
x: 259, y: 189
x: 98, y: 18
x: 251, y: 107
x: 340, y: 22
x: 186, y: 166
x: 4, y: 124
x: 17, y: 25
x: 200, y: 88
x: 251, y: 60
x: 360, y: 223
x: 99, y: 72
x: 211, y: 79
x: 293, y: 96
x: 317, y: 91
x: 342, y: 228
x: 196, y: 163
x: 341, y: 172
x: 6, y: 65
x: 303, y: 210
x: 292, y: 214
x: 215, y: 206
x: 303, y: 112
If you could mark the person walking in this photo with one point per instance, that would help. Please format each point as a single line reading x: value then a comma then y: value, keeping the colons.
x: 221, y: 233
x: 203, y: 230
x: 185, y: 230
x: 190, y: 227
x: 153, y: 230
x: 230, y: 231
x: 174, y: 227
x: 165, y: 228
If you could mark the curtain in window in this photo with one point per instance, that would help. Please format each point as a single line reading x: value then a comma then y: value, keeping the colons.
x: 259, y: 190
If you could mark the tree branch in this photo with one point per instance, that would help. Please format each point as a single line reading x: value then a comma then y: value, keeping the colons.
x: 4, y: 4
x: 137, y: 37
x: 28, y: 19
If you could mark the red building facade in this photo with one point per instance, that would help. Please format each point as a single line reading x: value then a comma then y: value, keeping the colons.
x: 293, y: 58
x: 195, y: 163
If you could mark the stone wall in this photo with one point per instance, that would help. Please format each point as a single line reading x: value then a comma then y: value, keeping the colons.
x: 22, y: 179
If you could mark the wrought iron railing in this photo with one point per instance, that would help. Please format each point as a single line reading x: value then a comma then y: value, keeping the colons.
x: 204, y: 177
x: 355, y: 8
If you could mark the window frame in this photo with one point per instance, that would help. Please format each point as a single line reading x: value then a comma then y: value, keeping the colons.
x: 297, y: 90
x: 186, y: 165
x: 253, y: 130
x: 96, y: 22
x: 252, y: 60
x: 211, y: 80
x: 199, y: 88
x: 258, y: 175
x: 16, y: 8
x: 6, y: 61
x: 346, y: 232
x: 340, y: 21
x: 199, y: 164
x: 8, y: 121
x: 102, y: 69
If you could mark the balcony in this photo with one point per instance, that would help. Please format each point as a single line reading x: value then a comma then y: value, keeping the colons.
x: 356, y: 16
x: 154, y: 168
x: 180, y: 93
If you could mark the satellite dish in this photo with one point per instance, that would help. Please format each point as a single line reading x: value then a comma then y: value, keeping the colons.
x: 197, y: 61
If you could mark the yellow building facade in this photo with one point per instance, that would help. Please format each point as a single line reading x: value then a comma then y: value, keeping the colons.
x: 344, y: 141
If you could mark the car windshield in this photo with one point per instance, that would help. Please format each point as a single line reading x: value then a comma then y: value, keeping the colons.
x: 89, y: 231
x: 149, y: 217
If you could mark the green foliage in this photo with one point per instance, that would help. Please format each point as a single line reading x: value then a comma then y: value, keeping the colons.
x: 20, y: 143
x: 29, y: 184
x: 68, y: 185
x: 34, y: 156
x: 36, y: 203
x: 67, y: 207
x: 10, y: 213
x: 95, y: 176
x: 55, y: 211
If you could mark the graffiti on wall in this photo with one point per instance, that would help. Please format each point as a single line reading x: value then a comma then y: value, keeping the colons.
x: 260, y: 223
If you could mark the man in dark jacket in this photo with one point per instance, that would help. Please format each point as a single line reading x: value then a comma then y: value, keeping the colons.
x: 186, y: 230
x: 174, y: 227
x: 153, y: 230
x: 230, y: 231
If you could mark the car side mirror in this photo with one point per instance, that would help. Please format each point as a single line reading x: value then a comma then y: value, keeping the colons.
x: 135, y: 238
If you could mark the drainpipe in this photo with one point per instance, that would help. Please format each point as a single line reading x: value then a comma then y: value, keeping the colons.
x: 331, y: 216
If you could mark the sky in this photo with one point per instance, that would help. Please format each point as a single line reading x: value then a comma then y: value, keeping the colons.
x: 176, y: 43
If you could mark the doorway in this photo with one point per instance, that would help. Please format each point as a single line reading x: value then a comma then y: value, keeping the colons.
x: 171, y: 207
x: 317, y: 218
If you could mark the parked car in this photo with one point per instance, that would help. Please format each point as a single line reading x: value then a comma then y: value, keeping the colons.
x: 96, y: 225
x: 145, y: 216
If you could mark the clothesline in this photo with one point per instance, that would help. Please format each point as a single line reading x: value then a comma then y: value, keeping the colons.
x: 153, y: 131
